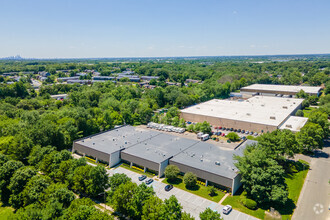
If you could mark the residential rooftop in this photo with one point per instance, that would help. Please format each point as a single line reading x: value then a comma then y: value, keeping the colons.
x: 212, y: 158
x: 258, y: 109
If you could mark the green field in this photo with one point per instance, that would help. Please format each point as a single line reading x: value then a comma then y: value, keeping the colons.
x: 5, y: 212
x: 294, y: 182
x: 199, y: 190
x: 307, y: 111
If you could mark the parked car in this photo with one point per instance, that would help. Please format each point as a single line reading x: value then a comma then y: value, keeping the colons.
x: 168, y: 187
x: 231, y: 129
x: 205, y: 137
x: 247, y: 132
x: 143, y: 177
x: 255, y: 134
x: 226, y: 210
x: 251, y: 133
x: 149, y: 181
x: 235, y: 130
x: 239, y: 130
x: 228, y: 129
x: 243, y: 131
x: 223, y: 128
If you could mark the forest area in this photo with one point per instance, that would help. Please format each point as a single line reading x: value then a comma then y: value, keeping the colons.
x: 40, y: 179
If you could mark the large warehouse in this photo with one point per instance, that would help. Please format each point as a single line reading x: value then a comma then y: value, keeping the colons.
x: 154, y: 153
x: 211, y: 163
x: 153, y: 150
x: 107, y: 146
x: 257, y: 114
x: 269, y: 89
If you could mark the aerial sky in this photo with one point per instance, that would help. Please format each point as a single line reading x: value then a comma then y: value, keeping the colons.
x: 155, y: 28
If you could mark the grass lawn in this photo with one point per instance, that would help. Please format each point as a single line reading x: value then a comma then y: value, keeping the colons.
x: 294, y: 182
x: 199, y: 190
x: 307, y: 111
x: 5, y: 212
x: 234, y: 201
x: 126, y: 166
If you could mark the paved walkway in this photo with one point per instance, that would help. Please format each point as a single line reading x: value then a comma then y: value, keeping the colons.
x: 191, y: 203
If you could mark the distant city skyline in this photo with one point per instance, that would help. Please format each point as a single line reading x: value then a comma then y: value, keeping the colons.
x: 146, y: 28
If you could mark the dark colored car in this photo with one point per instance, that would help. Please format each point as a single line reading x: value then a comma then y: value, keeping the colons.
x: 149, y: 181
x: 223, y: 128
x: 235, y: 130
x: 243, y: 131
x: 228, y: 129
x: 231, y: 129
x: 168, y: 188
x: 143, y: 177
x: 239, y: 130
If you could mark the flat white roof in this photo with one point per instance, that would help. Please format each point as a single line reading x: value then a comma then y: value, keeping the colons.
x: 258, y: 109
x: 283, y: 88
x: 294, y: 123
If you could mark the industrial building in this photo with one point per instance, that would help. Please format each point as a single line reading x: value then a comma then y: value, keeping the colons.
x: 294, y: 123
x: 257, y: 114
x: 153, y: 150
x: 107, y: 146
x: 279, y: 90
x: 154, y: 153
x: 211, y: 163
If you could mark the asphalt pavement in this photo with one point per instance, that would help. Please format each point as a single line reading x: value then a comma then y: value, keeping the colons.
x: 314, y: 200
x: 191, y: 203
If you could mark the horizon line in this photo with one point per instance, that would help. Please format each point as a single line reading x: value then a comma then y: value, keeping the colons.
x: 154, y: 57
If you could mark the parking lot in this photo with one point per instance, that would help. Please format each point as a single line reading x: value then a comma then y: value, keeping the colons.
x: 191, y: 203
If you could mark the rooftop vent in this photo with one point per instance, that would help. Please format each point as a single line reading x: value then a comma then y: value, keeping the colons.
x: 285, y: 107
x: 288, y: 126
x: 217, y: 163
x: 248, y: 114
x: 272, y: 117
x: 93, y: 143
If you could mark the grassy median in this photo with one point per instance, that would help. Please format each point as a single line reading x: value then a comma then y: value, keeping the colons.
x: 199, y: 190
x: 294, y: 182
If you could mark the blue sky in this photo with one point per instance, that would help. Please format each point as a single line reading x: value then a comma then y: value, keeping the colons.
x: 147, y: 28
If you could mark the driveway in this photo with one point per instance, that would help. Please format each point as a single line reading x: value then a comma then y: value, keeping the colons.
x: 314, y: 200
x: 191, y: 203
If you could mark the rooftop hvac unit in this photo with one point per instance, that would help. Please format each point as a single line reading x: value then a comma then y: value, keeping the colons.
x: 285, y: 107
x: 217, y: 163
x: 272, y: 117
x: 288, y: 126
x: 248, y: 114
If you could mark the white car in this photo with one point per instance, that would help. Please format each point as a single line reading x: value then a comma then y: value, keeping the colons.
x: 226, y: 209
